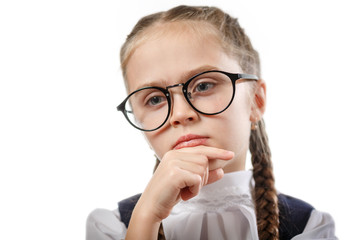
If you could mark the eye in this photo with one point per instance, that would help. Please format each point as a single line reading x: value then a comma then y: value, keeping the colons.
x: 204, y: 86
x: 155, y: 100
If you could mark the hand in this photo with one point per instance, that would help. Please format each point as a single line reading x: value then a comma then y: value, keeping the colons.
x: 180, y: 175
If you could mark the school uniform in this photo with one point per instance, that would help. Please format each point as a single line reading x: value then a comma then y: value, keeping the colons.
x: 222, y: 210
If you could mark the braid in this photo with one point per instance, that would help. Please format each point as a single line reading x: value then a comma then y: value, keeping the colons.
x: 266, y: 201
x: 161, y: 234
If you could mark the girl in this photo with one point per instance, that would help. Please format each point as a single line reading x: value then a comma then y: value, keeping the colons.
x: 195, y: 90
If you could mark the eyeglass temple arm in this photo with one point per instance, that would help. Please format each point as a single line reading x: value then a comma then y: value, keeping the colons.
x: 247, y: 76
x: 121, y: 107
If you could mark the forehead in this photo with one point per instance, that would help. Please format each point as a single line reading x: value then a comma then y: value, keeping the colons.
x: 195, y: 29
x: 172, y: 51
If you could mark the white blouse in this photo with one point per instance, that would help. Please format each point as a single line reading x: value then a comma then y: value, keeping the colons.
x: 222, y: 210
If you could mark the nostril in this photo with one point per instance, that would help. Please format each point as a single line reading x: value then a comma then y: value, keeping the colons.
x: 178, y: 122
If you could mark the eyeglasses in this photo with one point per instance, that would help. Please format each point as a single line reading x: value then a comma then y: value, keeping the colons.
x: 208, y: 93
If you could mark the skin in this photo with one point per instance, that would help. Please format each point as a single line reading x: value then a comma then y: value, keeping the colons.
x: 168, y: 59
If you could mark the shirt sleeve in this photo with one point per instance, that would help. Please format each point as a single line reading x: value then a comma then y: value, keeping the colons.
x: 103, y: 224
x: 319, y: 226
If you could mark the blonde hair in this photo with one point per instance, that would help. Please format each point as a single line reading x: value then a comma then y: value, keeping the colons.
x: 235, y: 42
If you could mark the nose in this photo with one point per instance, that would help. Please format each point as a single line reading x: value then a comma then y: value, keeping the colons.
x: 181, y: 113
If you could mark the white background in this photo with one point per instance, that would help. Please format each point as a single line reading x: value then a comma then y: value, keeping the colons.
x: 65, y: 150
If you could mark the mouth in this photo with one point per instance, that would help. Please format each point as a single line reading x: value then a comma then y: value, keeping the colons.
x: 190, y: 140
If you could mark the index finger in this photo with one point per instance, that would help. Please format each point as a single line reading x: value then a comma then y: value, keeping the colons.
x: 210, y: 152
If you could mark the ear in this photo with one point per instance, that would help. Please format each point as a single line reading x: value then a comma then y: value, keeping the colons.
x: 259, y: 102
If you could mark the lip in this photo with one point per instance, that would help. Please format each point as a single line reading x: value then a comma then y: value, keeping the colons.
x: 190, y: 140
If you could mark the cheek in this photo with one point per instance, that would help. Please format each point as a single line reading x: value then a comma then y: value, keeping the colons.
x: 239, y: 117
x: 237, y: 133
x: 241, y: 105
x: 239, y: 124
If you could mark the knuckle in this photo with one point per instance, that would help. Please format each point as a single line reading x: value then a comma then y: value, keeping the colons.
x: 203, y: 160
x: 173, y: 173
x: 199, y: 170
x: 168, y: 155
x: 197, y: 180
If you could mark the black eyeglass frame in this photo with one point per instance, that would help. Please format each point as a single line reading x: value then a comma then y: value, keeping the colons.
x: 233, y: 77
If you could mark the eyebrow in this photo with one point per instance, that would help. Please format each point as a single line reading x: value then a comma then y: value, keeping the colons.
x: 185, y: 76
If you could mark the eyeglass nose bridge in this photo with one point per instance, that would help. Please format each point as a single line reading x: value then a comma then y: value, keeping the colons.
x: 185, y: 92
x: 175, y: 85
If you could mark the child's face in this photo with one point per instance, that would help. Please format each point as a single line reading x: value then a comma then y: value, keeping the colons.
x: 165, y: 61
